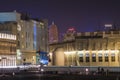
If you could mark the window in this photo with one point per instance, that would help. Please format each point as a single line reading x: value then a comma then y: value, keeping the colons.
x: 93, y: 57
x: 81, y: 57
x: 81, y: 46
x: 113, y: 57
x: 94, y: 45
x: 106, y: 57
x: 100, y: 57
x: 87, y: 57
x: 70, y: 58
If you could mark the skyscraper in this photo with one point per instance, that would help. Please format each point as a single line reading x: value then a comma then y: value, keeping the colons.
x: 53, y: 33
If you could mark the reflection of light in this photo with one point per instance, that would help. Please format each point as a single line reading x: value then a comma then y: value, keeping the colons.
x: 42, y: 70
x: 8, y: 66
x: 44, y: 65
x: 86, y: 70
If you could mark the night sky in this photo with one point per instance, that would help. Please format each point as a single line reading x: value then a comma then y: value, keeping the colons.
x: 83, y: 15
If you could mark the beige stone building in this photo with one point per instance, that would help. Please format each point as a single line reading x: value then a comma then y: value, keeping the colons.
x: 88, y: 49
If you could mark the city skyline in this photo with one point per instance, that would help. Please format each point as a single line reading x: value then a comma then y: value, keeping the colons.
x: 82, y: 15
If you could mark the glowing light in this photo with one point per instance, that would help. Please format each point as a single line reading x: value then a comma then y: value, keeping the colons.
x: 114, y: 51
x: 86, y: 69
x: 50, y: 54
x: 19, y: 54
x: 42, y: 70
x: 70, y: 52
x: 7, y: 36
x: 108, y: 25
x: 43, y: 57
x: 100, y: 51
x: 35, y: 35
x: 71, y: 29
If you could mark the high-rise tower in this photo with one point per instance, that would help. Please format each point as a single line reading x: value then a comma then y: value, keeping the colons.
x: 53, y: 33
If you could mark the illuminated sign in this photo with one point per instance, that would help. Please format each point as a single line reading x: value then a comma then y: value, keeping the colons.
x: 43, y: 57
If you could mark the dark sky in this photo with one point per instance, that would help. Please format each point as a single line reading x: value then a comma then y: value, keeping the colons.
x: 83, y: 15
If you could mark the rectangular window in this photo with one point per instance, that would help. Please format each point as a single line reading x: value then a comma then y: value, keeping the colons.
x: 100, y: 57
x: 93, y: 57
x: 87, y: 57
x: 81, y: 57
x: 113, y: 57
x: 106, y: 57
x: 81, y: 46
x: 94, y: 46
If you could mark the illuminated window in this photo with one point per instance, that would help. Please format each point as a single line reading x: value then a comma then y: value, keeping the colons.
x: 112, y: 57
x: 93, y: 57
x: 106, y: 57
x: 87, y: 57
x: 100, y: 57
x: 81, y: 57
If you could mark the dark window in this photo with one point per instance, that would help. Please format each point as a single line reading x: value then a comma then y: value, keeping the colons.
x: 106, y: 57
x: 93, y: 57
x: 81, y: 57
x: 100, y: 57
x: 113, y: 57
x: 87, y: 57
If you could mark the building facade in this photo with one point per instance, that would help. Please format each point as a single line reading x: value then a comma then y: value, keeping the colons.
x: 8, y: 44
x: 30, y: 36
x: 88, y: 49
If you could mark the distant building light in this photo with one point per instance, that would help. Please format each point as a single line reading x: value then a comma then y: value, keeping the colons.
x: 71, y: 29
x: 108, y: 25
